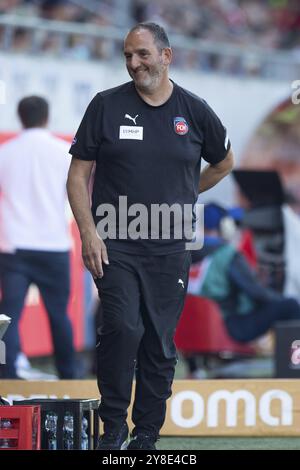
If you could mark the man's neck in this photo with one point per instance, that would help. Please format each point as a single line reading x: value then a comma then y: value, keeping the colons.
x: 35, y: 128
x: 158, y: 96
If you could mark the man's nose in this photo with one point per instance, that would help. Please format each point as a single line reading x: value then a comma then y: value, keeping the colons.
x: 135, y: 62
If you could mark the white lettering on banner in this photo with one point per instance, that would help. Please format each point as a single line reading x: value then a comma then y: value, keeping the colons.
x: 285, y: 398
x: 198, y: 409
x: 131, y: 132
x: 231, y: 400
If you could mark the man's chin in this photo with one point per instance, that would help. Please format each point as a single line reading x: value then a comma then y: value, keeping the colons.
x: 142, y: 84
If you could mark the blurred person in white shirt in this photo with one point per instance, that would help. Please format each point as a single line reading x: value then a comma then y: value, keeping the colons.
x: 34, y: 236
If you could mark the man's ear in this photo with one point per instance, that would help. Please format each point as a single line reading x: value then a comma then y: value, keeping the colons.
x: 167, y: 55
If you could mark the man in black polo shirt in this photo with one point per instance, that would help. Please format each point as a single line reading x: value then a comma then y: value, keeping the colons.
x: 147, y: 138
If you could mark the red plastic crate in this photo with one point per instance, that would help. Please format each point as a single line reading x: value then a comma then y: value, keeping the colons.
x: 26, y: 429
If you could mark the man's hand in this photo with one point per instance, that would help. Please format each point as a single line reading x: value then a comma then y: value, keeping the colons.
x: 94, y: 253
x: 93, y: 248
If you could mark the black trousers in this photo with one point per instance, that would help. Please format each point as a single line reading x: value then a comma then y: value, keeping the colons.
x: 50, y: 271
x: 142, y: 299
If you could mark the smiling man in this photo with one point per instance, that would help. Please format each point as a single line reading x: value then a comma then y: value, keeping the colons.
x: 147, y: 61
x: 147, y: 137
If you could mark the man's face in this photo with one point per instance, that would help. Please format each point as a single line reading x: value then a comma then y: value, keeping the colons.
x: 145, y: 62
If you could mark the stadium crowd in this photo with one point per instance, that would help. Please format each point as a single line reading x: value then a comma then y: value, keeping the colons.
x: 270, y: 24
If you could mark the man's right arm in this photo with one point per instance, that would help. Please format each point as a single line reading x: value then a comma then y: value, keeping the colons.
x: 212, y: 174
x: 93, y: 248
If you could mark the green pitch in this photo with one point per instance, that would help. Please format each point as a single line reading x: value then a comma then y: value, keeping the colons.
x: 229, y: 443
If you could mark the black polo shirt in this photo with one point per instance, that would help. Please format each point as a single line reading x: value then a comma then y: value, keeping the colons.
x: 150, y: 154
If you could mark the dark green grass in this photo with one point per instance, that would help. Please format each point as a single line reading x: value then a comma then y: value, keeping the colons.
x: 229, y: 443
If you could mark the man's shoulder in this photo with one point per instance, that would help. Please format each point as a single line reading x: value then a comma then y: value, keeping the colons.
x: 9, y: 145
x: 188, y: 95
x: 44, y: 137
x: 118, y: 90
x: 59, y: 142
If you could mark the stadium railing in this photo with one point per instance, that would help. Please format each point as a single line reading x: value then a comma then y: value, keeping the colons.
x: 194, y: 53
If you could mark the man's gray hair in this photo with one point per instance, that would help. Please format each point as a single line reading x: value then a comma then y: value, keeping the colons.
x: 159, y: 34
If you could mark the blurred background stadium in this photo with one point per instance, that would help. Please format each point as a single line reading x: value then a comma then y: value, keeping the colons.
x: 242, y: 56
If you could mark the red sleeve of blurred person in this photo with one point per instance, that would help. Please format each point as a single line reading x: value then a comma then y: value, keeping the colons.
x: 246, y: 246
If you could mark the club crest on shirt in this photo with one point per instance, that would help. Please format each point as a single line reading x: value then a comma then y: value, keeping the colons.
x: 74, y: 141
x: 180, y: 126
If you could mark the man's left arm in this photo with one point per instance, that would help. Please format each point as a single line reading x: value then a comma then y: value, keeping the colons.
x: 213, y: 173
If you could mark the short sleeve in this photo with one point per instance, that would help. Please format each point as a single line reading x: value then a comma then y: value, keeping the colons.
x: 87, y: 139
x: 216, y: 142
